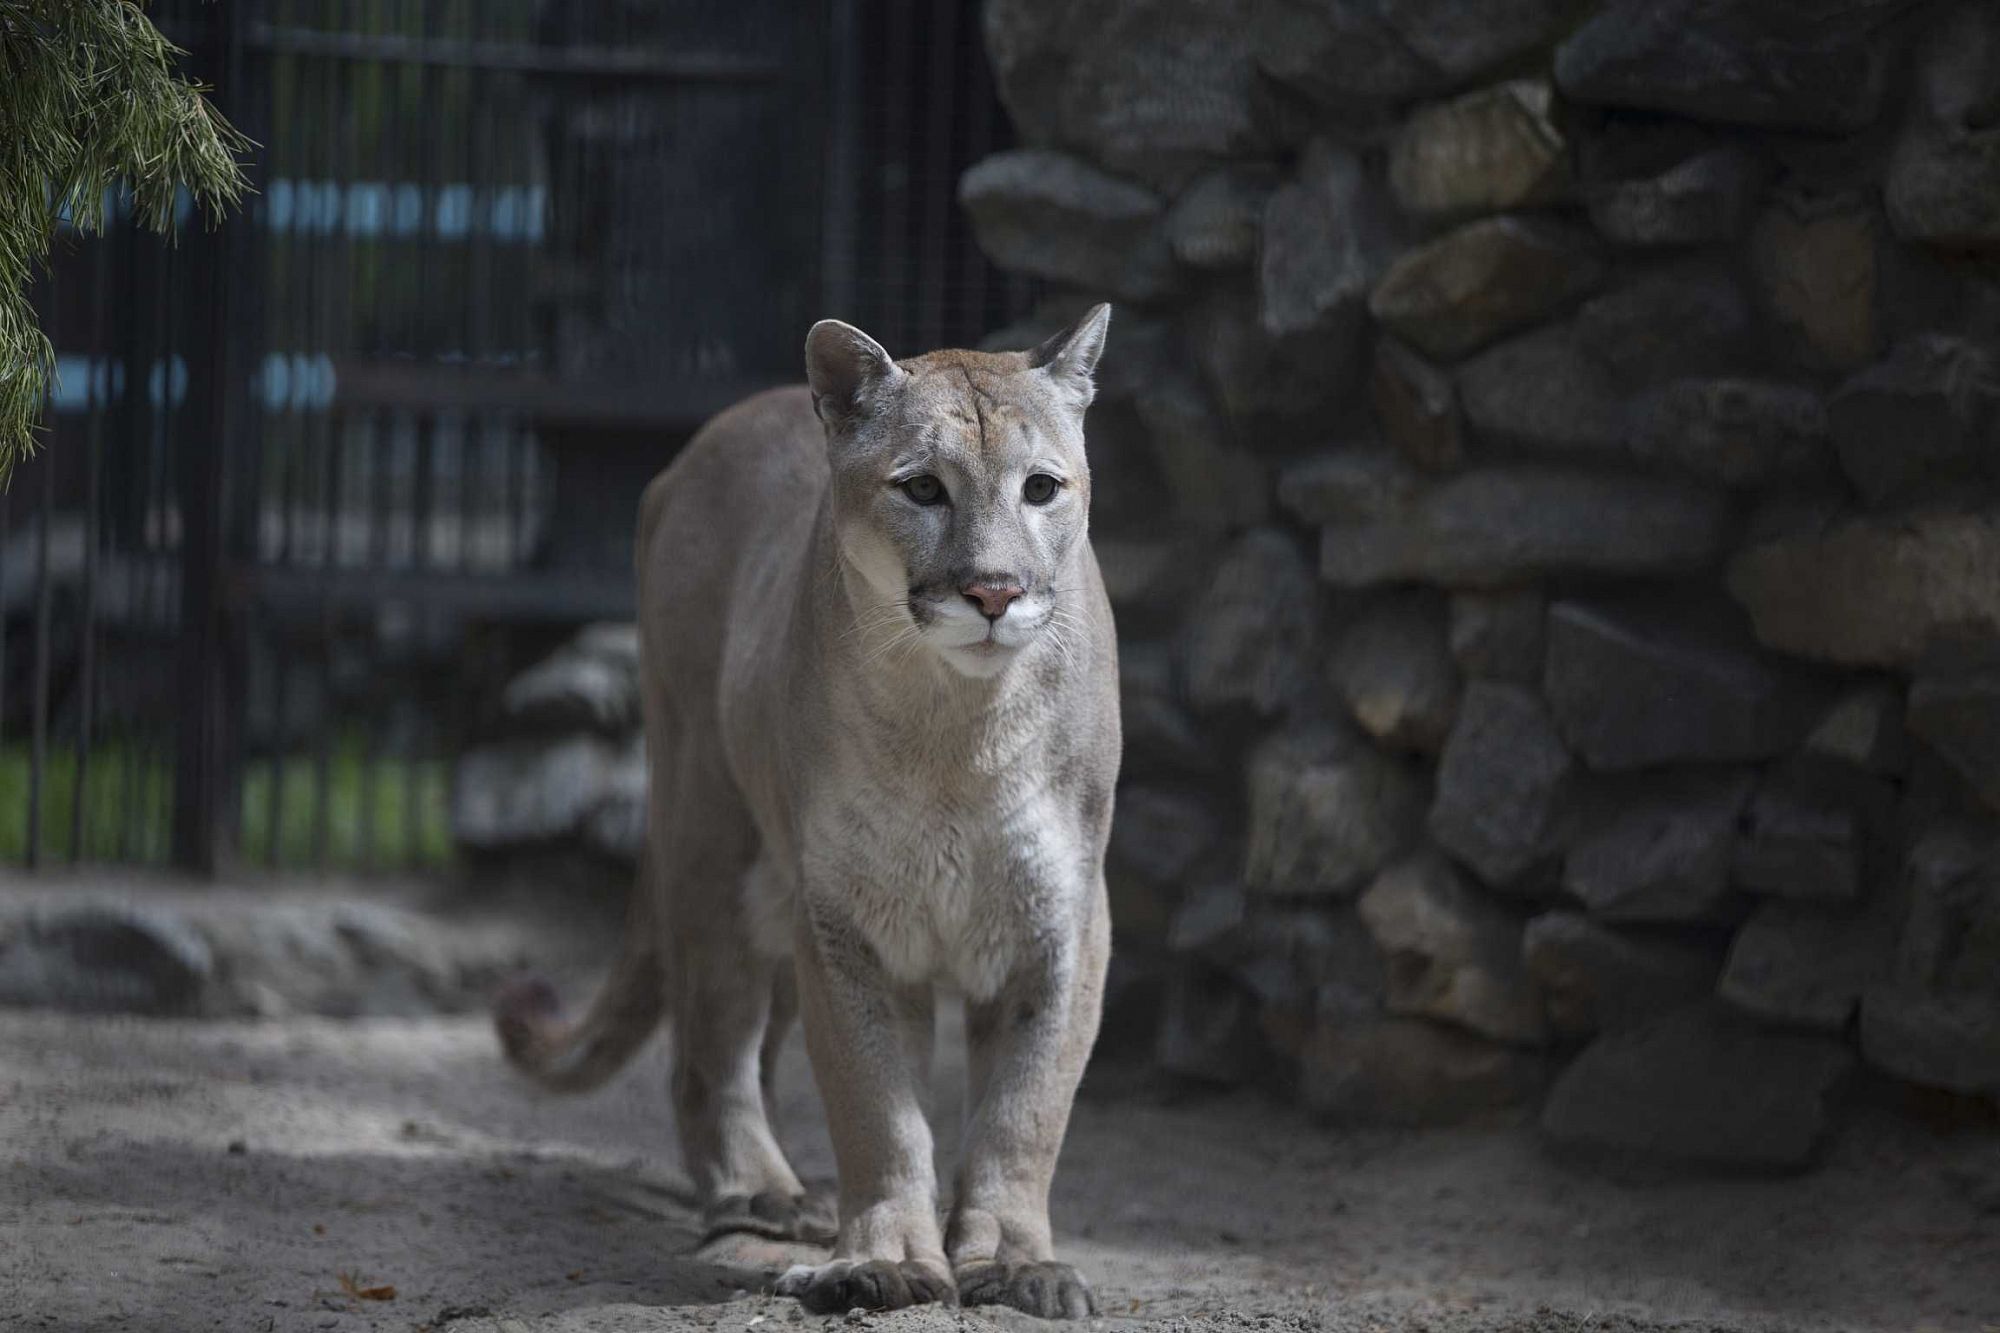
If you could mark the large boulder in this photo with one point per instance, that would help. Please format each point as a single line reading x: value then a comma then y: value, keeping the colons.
x: 1545, y: 392
x: 1633, y: 685
x: 1353, y: 484
x: 1488, y: 151
x: 1793, y: 64
x: 1958, y: 713
x: 1816, y: 261
x: 1936, y: 1019
x: 1873, y: 591
x: 1661, y: 851
x: 1392, y: 668
x: 1417, y: 406
x: 1326, y: 239
x: 1594, y: 978
x: 1372, y: 1069
x: 1500, y: 635
x: 1342, y: 52
x: 1675, y: 321
x: 1698, y: 199
x: 1453, y: 954
x: 1806, y: 964
x: 1813, y: 831
x: 1923, y: 423
x: 103, y: 958
x: 1455, y: 294
x: 1504, y: 797
x: 1498, y: 526
x: 1944, y: 179
x: 1054, y: 216
x: 1217, y: 222
x: 1248, y: 636
x: 528, y: 790
x: 1700, y: 1086
x: 1327, y: 811
x: 1156, y: 90
x: 1733, y: 431
x: 1216, y: 487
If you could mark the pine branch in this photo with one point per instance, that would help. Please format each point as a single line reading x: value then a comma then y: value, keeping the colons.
x: 89, y: 104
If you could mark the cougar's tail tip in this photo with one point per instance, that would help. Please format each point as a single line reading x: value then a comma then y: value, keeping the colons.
x: 526, y: 1014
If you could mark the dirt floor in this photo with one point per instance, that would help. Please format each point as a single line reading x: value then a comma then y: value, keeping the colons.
x: 272, y: 1175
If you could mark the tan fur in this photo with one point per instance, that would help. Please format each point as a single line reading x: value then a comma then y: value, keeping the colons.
x: 865, y: 788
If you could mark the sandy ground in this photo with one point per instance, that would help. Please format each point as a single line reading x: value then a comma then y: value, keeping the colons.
x: 196, y: 1175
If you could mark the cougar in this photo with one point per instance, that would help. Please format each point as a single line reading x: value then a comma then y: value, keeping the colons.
x: 881, y: 707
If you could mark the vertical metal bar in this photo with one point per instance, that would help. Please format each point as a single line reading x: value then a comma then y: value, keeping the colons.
x: 840, y: 224
x: 274, y: 791
x: 97, y: 403
x: 933, y: 295
x: 38, y: 700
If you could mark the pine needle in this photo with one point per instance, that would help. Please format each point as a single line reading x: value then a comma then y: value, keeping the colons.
x: 91, y: 110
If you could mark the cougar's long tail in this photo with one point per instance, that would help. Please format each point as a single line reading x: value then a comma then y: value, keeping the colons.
x: 577, y: 1056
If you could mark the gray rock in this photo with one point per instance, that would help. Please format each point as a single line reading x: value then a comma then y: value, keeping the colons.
x: 1160, y: 834
x: 1417, y: 406
x: 1812, y: 831
x: 1804, y: 964
x: 590, y: 683
x: 1287, y: 957
x: 1936, y: 1019
x: 1596, y: 979
x: 1634, y: 686
x: 1923, y: 423
x: 1161, y: 735
x: 530, y: 789
x: 1795, y: 64
x: 1941, y: 1041
x: 1158, y: 89
x: 1338, y: 52
x: 1248, y: 637
x: 1217, y: 222
x: 1815, y: 259
x: 1354, y: 484
x: 1393, y: 670
x: 1661, y: 853
x: 1252, y: 372
x: 1864, y: 727
x: 1327, y: 811
x: 1326, y: 240
x: 1544, y: 392
x: 1958, y: 714
x: 1506, y: 525
x: 1457, y: 293
x: 1500, y: 635
x: 1672, y: 322
x: 1053, y: 216
x: 1700, y: 1086
x: 1873, y: 592
x: 1488, y: 151
x: 1371, y: 1069
x: 1943, y: 185
x: 1208, y: 1029
x: 1700, y: 199
x: 1737, y: 432
x: 1452, y: 954
x: 1504, y: 785
x: 1216, y: 487
x: 103, y: 958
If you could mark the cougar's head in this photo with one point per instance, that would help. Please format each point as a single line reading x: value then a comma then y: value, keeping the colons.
x: 960, y: 488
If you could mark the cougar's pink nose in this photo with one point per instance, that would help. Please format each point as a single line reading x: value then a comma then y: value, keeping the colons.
x: 991, y: 596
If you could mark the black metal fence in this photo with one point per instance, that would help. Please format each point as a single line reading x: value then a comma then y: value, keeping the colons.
x: 317, y: 481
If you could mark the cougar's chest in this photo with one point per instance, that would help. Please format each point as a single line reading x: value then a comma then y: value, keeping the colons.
x: 948, y: 885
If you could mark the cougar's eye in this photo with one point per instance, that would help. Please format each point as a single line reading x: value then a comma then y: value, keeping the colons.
x: 1040, y: 489
x: 924, y: 490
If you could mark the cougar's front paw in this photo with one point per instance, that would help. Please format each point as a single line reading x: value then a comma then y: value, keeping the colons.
x: 1046, y: 1290
x: 775, y: 1216
x: 873, y: 1284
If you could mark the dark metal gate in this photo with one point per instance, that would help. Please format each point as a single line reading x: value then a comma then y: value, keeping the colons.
x: 316, y: 482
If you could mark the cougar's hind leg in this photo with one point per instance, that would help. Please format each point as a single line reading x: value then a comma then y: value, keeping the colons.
x: 721, y: 985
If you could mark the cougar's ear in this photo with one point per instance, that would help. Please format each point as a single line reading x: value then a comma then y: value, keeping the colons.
x: 1069, y: 358
x: 847, y: 369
